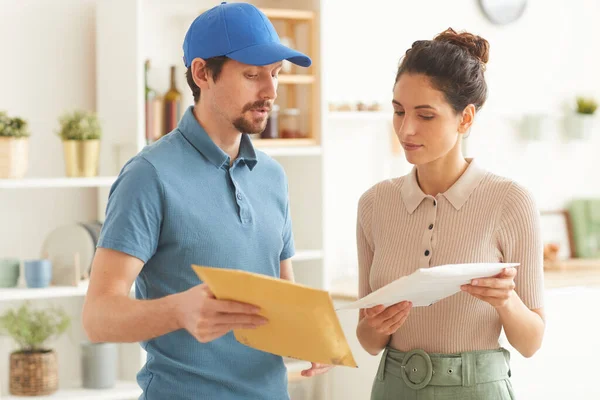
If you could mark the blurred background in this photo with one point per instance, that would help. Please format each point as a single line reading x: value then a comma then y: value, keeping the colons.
x: 86, y: 84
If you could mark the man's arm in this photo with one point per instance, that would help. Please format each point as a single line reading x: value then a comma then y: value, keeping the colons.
x: 110, y: 315
x: 286, y: 271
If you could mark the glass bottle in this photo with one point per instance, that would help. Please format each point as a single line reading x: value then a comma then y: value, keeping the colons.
x: 272, y: 129
x: 172, y: 105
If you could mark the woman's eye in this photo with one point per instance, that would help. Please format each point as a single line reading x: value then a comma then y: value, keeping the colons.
x: 427, y: 117
x: 399, y: 113
x: 251, y: 76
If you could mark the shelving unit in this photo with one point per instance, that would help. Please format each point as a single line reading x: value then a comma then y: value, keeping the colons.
x: 46, y: 183
x: 121, y: 391
x: 126, y: 34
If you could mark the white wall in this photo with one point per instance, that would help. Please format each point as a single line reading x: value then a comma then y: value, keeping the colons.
x: 537, y: 65
x: 48, y: 68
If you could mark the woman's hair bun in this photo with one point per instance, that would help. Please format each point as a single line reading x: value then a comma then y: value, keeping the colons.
x: 475, y: 45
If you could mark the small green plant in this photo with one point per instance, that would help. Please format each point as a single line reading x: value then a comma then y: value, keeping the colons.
x: 586, y: 105
x: 79, y: 125
x: 31, y: 329
x: 13, y: 127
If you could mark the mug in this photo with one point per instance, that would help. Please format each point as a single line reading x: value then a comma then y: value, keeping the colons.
x: 38, y: 273
x: 9, y: 272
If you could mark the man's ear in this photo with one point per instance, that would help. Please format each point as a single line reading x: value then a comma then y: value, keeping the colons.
x: 467, y: 119
x: 200, y: 73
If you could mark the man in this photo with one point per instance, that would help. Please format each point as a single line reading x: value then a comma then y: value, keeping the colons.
x: 201, y: 195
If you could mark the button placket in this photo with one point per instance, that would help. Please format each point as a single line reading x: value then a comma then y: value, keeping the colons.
x: 427, y: 249
x: 243, y: 206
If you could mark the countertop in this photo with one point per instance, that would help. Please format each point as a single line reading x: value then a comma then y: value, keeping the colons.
x: 571, y: 273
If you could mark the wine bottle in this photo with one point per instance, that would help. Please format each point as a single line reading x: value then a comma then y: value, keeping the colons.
x: 172, y: 105
x: 149, y: 96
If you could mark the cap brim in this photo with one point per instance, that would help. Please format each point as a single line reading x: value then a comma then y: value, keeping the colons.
x: 269, y: 53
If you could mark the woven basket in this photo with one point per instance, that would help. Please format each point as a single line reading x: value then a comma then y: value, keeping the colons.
x: 33, y: 374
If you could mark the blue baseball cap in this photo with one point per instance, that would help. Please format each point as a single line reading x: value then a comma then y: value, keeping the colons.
x: 241, y: 32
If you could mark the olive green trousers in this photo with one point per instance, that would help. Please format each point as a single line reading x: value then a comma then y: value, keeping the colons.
x: 417, y: 375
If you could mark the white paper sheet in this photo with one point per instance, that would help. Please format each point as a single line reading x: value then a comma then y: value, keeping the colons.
x: 427, y: 286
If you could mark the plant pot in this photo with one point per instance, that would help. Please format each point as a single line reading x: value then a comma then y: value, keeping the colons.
x: 532, y: 127
x: 9, y: 272
x: 38, y: 273
x: 14, y: 156
x: 578, y: 126
x: 33, y: 373
x: 81, y: 157
x: 99, y: 365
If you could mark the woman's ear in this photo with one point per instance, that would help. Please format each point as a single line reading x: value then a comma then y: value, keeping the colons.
x: 200, y: 73
x: 467, y: 119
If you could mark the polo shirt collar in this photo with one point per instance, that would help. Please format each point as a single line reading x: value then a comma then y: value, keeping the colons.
x: 197, y: 136
x: 457, y: 194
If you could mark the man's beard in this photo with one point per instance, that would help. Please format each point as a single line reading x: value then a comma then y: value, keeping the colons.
x: 244, y: 125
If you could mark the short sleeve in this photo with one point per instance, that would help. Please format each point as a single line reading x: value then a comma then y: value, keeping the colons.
x: 520, y: 242
x: 364, y: 241
x: 134, y: 211
x: 288, y: 250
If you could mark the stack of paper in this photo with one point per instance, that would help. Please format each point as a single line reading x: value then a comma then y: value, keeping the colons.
x: 427, y: 286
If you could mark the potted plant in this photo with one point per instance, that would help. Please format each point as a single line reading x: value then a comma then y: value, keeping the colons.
x: 580, y: 124
x: 80, y: 132
x: 33, y: 367
x: 14, y: 146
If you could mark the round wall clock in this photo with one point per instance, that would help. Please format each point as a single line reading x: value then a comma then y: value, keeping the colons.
x: 502, y: 12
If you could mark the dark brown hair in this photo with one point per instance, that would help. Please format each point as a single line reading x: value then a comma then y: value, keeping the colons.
x: 455, y: 63
x: 214, y: 65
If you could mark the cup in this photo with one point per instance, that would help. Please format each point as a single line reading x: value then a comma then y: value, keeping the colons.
x: 9, y: 272
x: 98, y: 364
x: 38, y: 273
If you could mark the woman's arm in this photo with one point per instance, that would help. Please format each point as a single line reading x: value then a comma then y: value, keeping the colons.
x: 524, y: 328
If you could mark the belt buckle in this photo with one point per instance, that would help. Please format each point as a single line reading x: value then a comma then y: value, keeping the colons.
x: 420, y: 378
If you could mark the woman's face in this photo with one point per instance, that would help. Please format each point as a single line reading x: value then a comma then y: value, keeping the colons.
x: 426, y: 125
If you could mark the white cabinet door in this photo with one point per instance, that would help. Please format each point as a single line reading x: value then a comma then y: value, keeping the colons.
x: 353, y: 383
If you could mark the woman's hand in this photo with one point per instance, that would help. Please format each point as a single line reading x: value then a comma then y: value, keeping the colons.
x: 496, y: 290
x: 388, y: 320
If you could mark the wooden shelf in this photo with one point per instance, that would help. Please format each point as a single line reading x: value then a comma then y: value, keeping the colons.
x: 42, y: 183
x: 121, y: 391
x: 571, y: 264
x: 283, y: 14
x: 297, y: 79
x: 288, y: 147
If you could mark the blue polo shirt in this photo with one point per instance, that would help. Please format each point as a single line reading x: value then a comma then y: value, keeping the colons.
x: 177, y: 203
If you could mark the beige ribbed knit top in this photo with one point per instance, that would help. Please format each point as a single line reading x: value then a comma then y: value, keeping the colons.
x: 481, y: 218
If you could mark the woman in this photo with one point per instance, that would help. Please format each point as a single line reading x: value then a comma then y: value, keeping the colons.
x: 448, y: 210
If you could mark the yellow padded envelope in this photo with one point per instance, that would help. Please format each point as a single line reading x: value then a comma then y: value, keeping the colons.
x: 302, y: 321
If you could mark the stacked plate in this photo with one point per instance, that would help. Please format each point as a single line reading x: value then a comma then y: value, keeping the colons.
x: 71, y: 249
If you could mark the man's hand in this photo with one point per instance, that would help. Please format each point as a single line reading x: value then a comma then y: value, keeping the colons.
x: 316, y: 369
x: 496, y: 290
x: 206, y: 318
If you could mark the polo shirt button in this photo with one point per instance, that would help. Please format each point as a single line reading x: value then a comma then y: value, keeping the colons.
x: 426, y: 253
x: 239, y: 196
x: 430, y: 226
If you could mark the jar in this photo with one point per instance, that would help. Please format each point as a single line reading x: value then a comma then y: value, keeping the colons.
x: 290, y: 123
x: 272, y: 128
x: 287, y: 67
